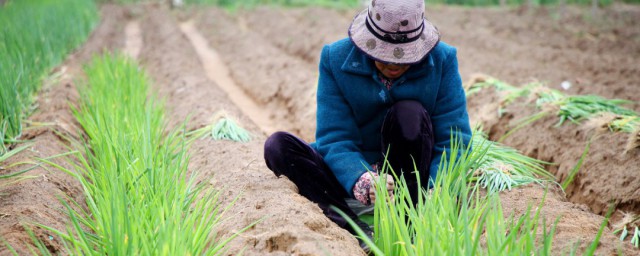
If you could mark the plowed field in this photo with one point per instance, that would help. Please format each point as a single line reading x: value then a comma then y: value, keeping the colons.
x: 260, y: 66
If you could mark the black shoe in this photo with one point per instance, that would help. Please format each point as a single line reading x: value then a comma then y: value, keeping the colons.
x: 367, y: 231
x: 364, y: 246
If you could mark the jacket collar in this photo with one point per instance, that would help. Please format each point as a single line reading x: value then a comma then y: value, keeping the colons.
x: 358, y: 63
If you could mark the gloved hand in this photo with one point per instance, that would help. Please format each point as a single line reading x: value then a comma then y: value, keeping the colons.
x: 364, y: 190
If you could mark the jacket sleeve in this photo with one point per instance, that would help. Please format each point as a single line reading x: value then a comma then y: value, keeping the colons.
x: 337, y: 134
x: 450, y: 118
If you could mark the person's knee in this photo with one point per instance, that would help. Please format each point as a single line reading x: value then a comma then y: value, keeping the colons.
x: 273, y: 146
x: 407, y: 105
x: 411, y: 117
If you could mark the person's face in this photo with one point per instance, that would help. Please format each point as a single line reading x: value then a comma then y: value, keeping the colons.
x: 391, y: 70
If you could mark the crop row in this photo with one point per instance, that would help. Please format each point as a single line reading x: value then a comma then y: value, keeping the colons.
x: 599, y: 114
x: 455, y: 217
x: 610, y: 114
x: 141, y: 200
x: 35, y: 36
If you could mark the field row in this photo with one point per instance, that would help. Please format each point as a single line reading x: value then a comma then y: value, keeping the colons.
x: 142, y: 172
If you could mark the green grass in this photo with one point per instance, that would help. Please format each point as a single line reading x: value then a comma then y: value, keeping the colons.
x: 141, y: 199
x: 35, y: 36
x: 454, y: 218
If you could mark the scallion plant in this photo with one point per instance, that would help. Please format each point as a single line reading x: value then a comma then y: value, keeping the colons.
x: 35, y: 36
x: 453, y: 218
x: 501, y: 167
x: 573, y: 108
x: 576, y: 108
x: 226, y: 128
x: 140, y: 198
x: 629, y: 226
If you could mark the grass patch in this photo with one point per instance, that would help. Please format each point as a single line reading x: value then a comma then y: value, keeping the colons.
x: 140, y: 198
x: 35, y: 36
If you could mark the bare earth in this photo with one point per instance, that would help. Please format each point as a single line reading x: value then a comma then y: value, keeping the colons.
x: 272, y: 56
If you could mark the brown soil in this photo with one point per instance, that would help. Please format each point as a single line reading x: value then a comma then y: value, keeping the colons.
x: 608, y: 174
x: 597, y: 55
x: 313, y: 28
x: 272, y: 56
x: 576, y: 226
x: 275, y: 79
x: 36, y: 200
x: 289, y: 223
x: 279, y: 27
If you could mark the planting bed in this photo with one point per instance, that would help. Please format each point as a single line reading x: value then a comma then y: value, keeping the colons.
x: 272, y: 55
x: 36, y: 200
x: 597, y: 55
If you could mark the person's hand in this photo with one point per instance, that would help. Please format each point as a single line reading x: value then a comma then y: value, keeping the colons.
x: 364, y: 190
x: 390, y: 186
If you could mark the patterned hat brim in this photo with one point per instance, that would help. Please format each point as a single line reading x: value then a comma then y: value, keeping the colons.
x: 394, y: 53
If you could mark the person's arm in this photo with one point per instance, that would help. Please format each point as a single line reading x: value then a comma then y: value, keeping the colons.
x: 450, y: 117
x: 338, y: 138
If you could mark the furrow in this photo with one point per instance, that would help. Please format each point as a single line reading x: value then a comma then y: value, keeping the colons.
x: 283, y: 84
x: 288, y: 223
x: 133, y: 42
x: 217, y: 72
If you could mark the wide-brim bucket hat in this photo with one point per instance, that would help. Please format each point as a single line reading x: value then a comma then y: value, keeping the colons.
x: 394, y: 31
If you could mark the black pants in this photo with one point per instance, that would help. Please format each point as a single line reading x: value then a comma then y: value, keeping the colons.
x: 407, y: 134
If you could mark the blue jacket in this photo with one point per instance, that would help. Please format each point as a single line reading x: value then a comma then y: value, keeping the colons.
x: 352, y: 104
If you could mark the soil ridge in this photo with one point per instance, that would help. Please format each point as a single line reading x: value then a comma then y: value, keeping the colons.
x: 37, y: 200
x: 289, y: 223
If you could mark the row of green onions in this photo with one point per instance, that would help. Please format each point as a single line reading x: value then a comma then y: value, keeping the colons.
x: 35, y: 36
x: 501, y: 167
x: 454, y: 218
x: 573, y: 108
x: 141, y: 199
x: 608, y: 113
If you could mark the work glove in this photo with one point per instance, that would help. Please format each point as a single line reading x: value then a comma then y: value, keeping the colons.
x: 364, y: 190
